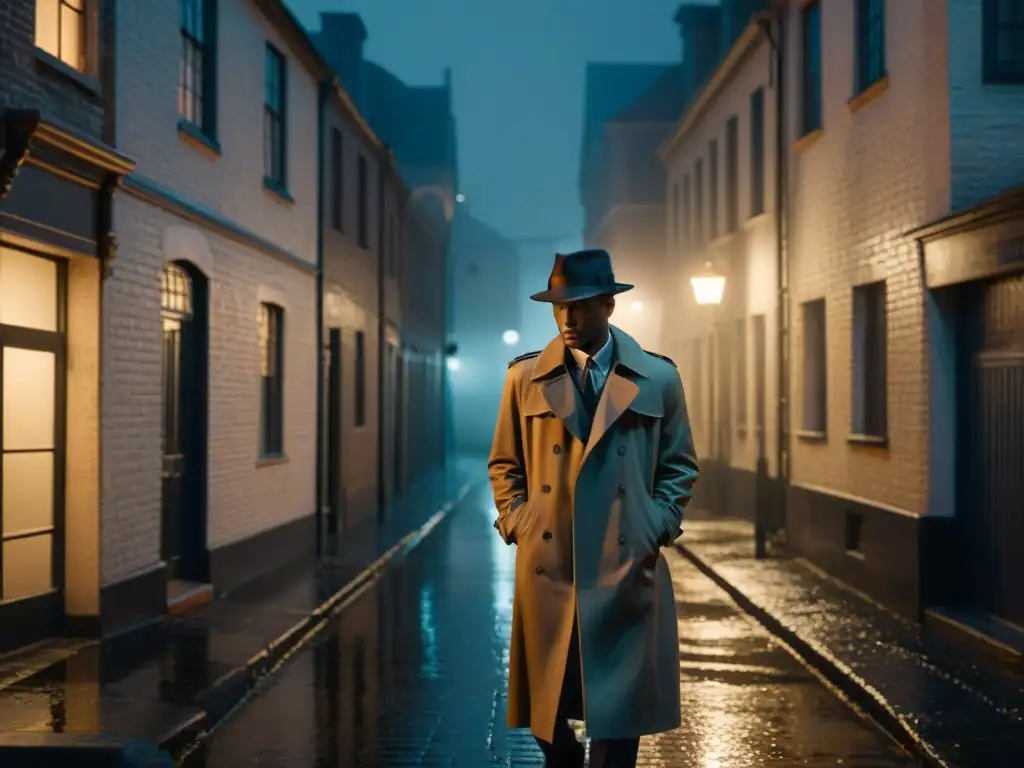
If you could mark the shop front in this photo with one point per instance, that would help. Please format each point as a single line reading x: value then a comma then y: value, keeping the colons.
x: 56, y: 245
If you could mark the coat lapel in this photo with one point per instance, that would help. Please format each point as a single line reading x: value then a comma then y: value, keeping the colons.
x: 563, y: 398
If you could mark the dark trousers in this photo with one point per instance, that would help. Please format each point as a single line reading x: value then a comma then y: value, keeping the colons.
x: 565, y: 751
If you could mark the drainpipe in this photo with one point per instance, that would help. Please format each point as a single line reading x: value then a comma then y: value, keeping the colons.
x: 773, y: 25
x: 326, y: 89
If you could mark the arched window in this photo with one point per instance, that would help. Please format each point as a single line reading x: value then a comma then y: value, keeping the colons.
x: 175, y: 292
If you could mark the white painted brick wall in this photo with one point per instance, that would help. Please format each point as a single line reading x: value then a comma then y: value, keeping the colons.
x: 871, y: 175
x: 148, y: 63
x: 986, y: 121
x: 243, y: 499
x: 747, y: 257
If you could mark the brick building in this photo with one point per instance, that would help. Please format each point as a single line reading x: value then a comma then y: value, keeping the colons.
x: 417, y: 125
x: 58, y: 174
x: 895, y: 114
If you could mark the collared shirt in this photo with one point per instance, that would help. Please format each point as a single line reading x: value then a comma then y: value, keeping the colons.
x: 599, y: 369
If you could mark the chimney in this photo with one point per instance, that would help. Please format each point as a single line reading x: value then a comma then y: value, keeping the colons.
x: 700, y: 28
x: 736, y: 15
x: 340, y: 41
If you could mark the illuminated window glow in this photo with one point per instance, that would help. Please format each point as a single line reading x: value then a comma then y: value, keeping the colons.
x: 60, y: 30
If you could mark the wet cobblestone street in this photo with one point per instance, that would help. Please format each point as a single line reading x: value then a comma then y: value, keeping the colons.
x: 413, y: 674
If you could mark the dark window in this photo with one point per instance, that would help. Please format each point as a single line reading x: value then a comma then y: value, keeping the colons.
x: 360, y: 410
x: 757, y: 152
x: 1003, y: 41
x: 815, y: 373
x: 698, y: 203
x: 271, y: 380
x: 675, y: 215
x: 713, y: 189
x: 732, y: 175
x: 364, y: 203
x: 687, y: 224
x: 760, y: 374
x: 810, y: 80
x: 870, y: 65
x: 337, y: 181
x: 393, y: 246
x: 696, y: 381
x: 274, y: 107
x: 198, y: 77
x: 869, y: 360
x: 741, y: 372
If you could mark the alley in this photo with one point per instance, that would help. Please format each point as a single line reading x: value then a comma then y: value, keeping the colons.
x: 413, y: 674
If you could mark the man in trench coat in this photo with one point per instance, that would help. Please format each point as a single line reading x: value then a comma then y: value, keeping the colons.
x: 591, y: 467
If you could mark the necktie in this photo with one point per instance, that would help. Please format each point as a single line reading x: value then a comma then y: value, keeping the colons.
x: 589, y: 392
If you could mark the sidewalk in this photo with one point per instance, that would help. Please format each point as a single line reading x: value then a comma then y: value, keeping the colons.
x: 952, y: 709
x: 168, y: 684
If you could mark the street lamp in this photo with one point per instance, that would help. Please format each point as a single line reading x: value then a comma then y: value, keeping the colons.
x: 708, y: 285
x: 510, y: 337
x: 637, y: 306
x: 460, y: 198
x: 454, y: 364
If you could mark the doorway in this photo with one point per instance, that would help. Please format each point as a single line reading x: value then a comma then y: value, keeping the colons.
x: 32, y: 430
x: 183, y: 305
x: 334, y: 430
x: 991, y: 423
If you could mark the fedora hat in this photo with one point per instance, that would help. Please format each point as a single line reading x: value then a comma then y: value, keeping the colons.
x: 581, y: 275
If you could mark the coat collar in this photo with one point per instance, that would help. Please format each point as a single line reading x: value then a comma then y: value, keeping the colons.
x: 628, y: 385
x: 627, y: 353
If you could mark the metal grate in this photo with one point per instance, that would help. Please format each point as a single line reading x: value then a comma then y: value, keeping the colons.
x: 175, y: 292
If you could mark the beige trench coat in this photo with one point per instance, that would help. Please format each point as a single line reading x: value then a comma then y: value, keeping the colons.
x: 588, y: 521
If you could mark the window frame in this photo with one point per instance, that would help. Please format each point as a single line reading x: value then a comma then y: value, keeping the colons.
x: 275, y: 144
x: 337, y: 170
x: 811, y: 85
x: 713, y: 231
x: 757, y: 156
x: 86, y: 42
x: 869, y: 45
x: 271, y: 325
x: 359, y: 409
x: 741, y: 375
x: 698, y: 202
x: 676, y: 203
x: 732, y: 174
x: 202, y: 44
x: 814, y: 394
x: 995, y: 72
x: 687, y: 204
x: 363, y: 180
x: 870, y: 345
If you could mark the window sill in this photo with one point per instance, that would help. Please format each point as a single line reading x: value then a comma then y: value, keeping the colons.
x: 193, y: 135
x: 808, y: 139
x: 272, y: 460
x: 756, y: 219
x: 811, y: 436
x: 856, y: 554
x: 278, y: 191
x: 723, y: 239
x: 869, y: 94
x: 868, y: 440
x: 54, y: 67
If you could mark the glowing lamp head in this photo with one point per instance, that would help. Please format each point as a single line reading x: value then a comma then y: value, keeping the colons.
x: 708, y: 286
x: 454, y: 364
x: 510, y: 337
x: 637, y: 306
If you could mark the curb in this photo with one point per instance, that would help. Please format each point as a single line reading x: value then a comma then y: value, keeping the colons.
x: 819, y: 659
x: 233, y: 689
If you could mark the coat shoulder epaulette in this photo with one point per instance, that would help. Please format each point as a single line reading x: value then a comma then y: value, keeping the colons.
x: 525, y: 356
x: 668, y: 360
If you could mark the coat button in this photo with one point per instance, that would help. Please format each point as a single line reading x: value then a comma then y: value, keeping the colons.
x: 547, y: 535
x: 622, y: 490
x: 622, y: 539
x: 557, y: 449
x: 622, y: 450
x: 546, y: 488
x: 538, y: 570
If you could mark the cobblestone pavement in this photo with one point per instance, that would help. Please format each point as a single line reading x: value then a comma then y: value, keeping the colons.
x: 413, y: 674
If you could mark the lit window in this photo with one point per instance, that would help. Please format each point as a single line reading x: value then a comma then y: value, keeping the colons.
x: 60, y: 30
x: 271, y: 319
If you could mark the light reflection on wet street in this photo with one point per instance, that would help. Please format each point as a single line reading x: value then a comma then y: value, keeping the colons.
x: 413, y: 674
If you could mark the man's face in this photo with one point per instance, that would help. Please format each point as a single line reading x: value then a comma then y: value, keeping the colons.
x: 584, y: 324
